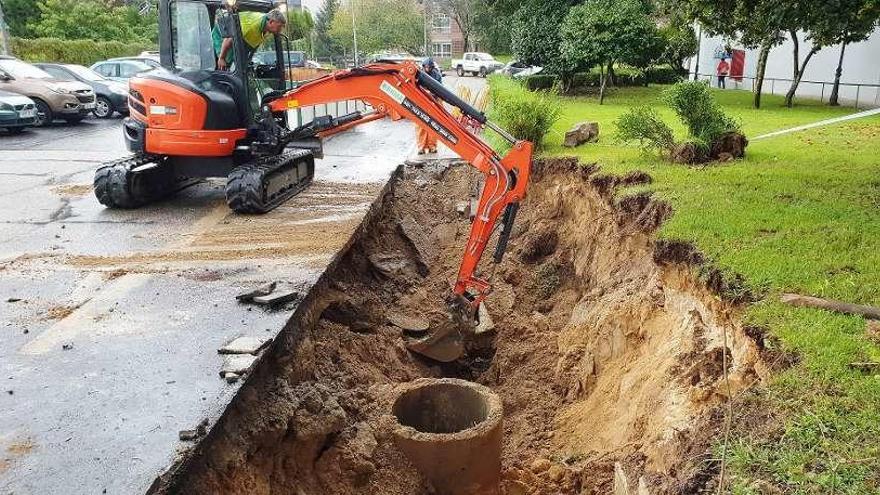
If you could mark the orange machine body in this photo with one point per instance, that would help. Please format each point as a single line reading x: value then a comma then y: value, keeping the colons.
x: 174, y: 118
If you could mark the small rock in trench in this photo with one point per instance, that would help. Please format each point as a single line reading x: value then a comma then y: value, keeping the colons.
x: 187, y: 435
x: 409, y: 323
x: 391, y: 265
x: 485, y: 320
x: 232, y: 377
x: 13, y: 299
x: 66, y: 347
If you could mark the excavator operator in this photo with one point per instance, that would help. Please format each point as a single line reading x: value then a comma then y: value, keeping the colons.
x: 255, y: 28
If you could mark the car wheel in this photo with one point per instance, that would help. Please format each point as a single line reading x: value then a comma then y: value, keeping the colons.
x: 103, y: 108
x: 44, y: 114
x: 460, y: 71
x: 482, y: 72
x: 15, y: 130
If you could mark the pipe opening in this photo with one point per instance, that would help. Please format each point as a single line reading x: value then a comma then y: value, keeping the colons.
x: 441, y: 408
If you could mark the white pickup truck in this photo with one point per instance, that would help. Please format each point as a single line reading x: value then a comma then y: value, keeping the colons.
x: 477, y: 63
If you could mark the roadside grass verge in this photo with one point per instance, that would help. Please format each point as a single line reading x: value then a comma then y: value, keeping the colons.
x: 801, y: 213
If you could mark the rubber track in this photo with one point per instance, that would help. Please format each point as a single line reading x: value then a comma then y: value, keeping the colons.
x: 246, y: 185
x: 111, y: 183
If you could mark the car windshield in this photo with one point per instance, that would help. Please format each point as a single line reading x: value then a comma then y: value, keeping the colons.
x: 85, y: 73
x: 17, y: 68
x: 296, y: 57
x: 484, y: 56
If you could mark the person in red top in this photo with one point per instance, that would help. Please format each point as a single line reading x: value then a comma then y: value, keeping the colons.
x: 723, y: 70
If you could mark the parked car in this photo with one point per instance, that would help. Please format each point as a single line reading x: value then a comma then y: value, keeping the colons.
x: 68, y: 100
x: 111, y: 96
x: 152, y: 55
x: 17, y: 112
x: 518, y: 70
x: 477, y: 63
x: 292, y: 58
x: 392, y: 57
x: 149, y: 60
x: 122, y: 70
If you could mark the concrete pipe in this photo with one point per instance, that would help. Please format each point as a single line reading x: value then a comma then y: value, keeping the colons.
x: 450, y: 430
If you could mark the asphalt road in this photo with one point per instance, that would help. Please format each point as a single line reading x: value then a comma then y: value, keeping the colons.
x: 110, y: 321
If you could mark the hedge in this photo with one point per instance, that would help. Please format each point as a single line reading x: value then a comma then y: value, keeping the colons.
x: 83, y: 52
x: 624, y: 76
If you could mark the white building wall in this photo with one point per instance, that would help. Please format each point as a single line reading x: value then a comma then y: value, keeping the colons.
x: 861, y: 65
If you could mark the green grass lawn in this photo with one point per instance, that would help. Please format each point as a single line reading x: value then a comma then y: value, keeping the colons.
x: 800, y: 213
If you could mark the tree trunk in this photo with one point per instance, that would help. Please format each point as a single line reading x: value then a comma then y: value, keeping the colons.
x: 762, y: 68
x: 610, y: 73
x: 797, y: 56
x: 834, y: 90
x: 603, y: 77
x: 789, y: 97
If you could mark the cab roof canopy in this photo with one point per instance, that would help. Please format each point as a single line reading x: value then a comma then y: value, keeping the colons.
x: 259, y: 5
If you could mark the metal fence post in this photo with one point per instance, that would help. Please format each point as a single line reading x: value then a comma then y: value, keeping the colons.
x: 858, y: 90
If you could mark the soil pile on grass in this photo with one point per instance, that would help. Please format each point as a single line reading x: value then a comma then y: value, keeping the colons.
x: 600, y: 355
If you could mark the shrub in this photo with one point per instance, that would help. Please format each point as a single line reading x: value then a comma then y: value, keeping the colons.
x: 644, y: 125
x: 525, y: 114
x: 663, y: 74
x: 83, y: 52
x: 540, y: 81
x: 694, y: 105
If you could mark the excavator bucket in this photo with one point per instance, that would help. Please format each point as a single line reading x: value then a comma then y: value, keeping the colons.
x: 445, y: 341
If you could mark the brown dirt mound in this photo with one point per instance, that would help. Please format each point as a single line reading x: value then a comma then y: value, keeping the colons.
x: 601, y: 355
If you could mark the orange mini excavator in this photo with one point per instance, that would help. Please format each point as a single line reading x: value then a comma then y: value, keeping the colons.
x: 189, y: 121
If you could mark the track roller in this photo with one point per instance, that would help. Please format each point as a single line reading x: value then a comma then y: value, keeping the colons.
x: 264, y: 184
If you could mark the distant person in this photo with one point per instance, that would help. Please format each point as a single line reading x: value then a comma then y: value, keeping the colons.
x: 428, y: 141
x: 723, y: 70
x: 255, y: 28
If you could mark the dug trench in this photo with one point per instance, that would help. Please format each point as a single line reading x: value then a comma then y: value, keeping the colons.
x: 607, y: 359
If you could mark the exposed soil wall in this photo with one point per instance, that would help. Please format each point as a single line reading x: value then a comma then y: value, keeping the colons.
x: 600, y: 354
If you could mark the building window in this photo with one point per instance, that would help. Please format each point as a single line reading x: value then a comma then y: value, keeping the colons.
x: 442, y: 23
x: 442, y: 50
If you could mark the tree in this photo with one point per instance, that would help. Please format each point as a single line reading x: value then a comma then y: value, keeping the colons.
x: 381, y: 25
x: 492, y: 19
x: 854, y: 25
x: 606, y: 32
x: 755, y: 23
x: 93, y: 19
x: 679, y: 42
x: 18, y: 14
x: 325, y: 45
x: 536, y: 37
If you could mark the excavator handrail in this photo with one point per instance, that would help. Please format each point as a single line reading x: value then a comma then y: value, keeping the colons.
x: 397, y: 91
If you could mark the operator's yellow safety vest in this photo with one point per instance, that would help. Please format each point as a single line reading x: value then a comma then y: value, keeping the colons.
x: 253, y: 26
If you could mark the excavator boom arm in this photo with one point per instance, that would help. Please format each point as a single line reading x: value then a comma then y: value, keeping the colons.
x: 403, y: 91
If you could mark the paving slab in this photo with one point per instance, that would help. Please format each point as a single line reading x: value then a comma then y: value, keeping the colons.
x: 145, y: 298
